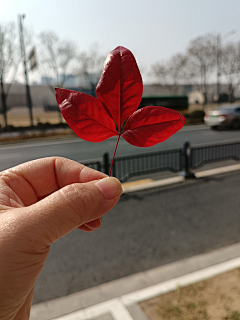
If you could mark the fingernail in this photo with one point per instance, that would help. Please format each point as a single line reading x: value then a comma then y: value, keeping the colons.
x: 110, y: 187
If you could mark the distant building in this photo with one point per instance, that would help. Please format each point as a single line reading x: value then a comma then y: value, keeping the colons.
x: 68, y: 80
x: 85, y: 81
x: 43, y: 95
x: 192, y: 91
x: 47, y: 81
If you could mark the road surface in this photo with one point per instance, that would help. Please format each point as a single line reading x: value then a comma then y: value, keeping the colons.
x: 77, y: 149
x: 145, y: 230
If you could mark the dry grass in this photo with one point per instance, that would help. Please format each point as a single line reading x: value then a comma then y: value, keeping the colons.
x: 19, y: 117
x: 214, y: 299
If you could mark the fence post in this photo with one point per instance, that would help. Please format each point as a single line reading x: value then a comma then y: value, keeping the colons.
x: 99, y: 166
x: 106, y: 164
x: 186, y: 154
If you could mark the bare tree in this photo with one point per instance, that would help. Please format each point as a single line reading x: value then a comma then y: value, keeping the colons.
x: 91, y: 62
x: 170, y: 74
x: 202, y: 53
x: 56, y: 57
x: 7, y: 59
x: 230, y: 67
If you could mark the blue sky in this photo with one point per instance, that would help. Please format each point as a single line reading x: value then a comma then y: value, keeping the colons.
x: 152, y: 29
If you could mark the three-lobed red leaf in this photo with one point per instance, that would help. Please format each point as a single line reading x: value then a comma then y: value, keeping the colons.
x: 113, y: 112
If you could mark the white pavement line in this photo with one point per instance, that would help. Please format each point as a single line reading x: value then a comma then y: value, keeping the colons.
x: 211, y: 172
x: 195, y: 128
x: 114, y: 306
x: 154, y: 184
x: 10, y: 156
x: 183, y: 281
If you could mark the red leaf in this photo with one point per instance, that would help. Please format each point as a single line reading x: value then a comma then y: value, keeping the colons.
x: 86, y: 115
x: 120, y: 86
x: 151, y: 125
x: 119, y: 93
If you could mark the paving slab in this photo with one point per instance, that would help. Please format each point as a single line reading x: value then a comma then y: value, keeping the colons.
x: 106, y: 316
x: 136, y: 312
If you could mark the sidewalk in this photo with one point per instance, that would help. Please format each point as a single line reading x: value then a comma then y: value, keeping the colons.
x: 118, y: 300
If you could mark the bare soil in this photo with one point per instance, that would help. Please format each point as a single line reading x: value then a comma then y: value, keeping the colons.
x: 19, y: 116
x: 215, y: 299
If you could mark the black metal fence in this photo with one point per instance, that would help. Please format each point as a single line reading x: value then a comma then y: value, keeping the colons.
x: 200, y: 155
x: 128, y: 166
x: 177, y: 160
x: 96, y: 164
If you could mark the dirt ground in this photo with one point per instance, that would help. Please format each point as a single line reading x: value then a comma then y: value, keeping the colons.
x: 215, y: 299
x: 19, y: 116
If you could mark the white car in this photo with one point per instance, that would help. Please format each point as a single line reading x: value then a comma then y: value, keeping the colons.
x: 224, y: 116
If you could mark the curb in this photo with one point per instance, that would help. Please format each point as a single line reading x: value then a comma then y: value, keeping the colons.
x: 152, y: 184
x: 147, y: 184
x: 117, y: 300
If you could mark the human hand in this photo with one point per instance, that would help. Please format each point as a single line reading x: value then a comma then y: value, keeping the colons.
x: 40, y: 202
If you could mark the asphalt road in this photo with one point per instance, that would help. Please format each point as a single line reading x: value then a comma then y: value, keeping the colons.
x: 145, y: 230
x: 77, y: 149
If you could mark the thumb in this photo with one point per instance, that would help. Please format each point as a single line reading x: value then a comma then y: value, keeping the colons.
x: 68, y: 208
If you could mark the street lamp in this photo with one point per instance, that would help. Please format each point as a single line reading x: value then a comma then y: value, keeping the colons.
x: 220, y: 39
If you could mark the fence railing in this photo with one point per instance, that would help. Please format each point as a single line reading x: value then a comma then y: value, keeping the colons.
x: 176, y: 160
x: 129, y: 166
x: 93, y: 163
x: 202, y: 154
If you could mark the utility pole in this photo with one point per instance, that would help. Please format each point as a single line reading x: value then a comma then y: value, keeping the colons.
x: 3, y: 96
x: 218, y: 64
x: 23, y: 53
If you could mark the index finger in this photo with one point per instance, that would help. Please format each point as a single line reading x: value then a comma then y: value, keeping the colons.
x: 47, y: 175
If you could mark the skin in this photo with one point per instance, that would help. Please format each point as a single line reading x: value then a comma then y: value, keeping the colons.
x: 40, y: 202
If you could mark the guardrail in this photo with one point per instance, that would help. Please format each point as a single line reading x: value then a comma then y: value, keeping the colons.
x: 202, y: 154
x: 176, y: 160
x: 129, y: 166
x: 93, y: 163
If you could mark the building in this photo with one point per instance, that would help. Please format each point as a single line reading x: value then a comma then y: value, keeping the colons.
x: 43, y: 95
x: 86, y: 80
x: 47, y: 81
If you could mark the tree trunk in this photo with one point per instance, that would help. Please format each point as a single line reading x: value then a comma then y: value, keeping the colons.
x: 230, y: 93
x: 205, y: 98
x: 204, y: 93
x: 4, y: 103
x: 93, y: 92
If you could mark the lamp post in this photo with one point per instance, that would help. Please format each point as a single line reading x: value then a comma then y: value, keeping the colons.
x: 220, y: 39
x: 22, y: 45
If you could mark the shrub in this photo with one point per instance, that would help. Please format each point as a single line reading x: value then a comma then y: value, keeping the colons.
x: 196, y: 116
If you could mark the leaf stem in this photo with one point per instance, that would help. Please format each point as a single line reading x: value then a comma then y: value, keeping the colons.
x: 114, y: 155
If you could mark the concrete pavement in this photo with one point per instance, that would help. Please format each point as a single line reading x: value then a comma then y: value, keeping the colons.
x: 119, y: 299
